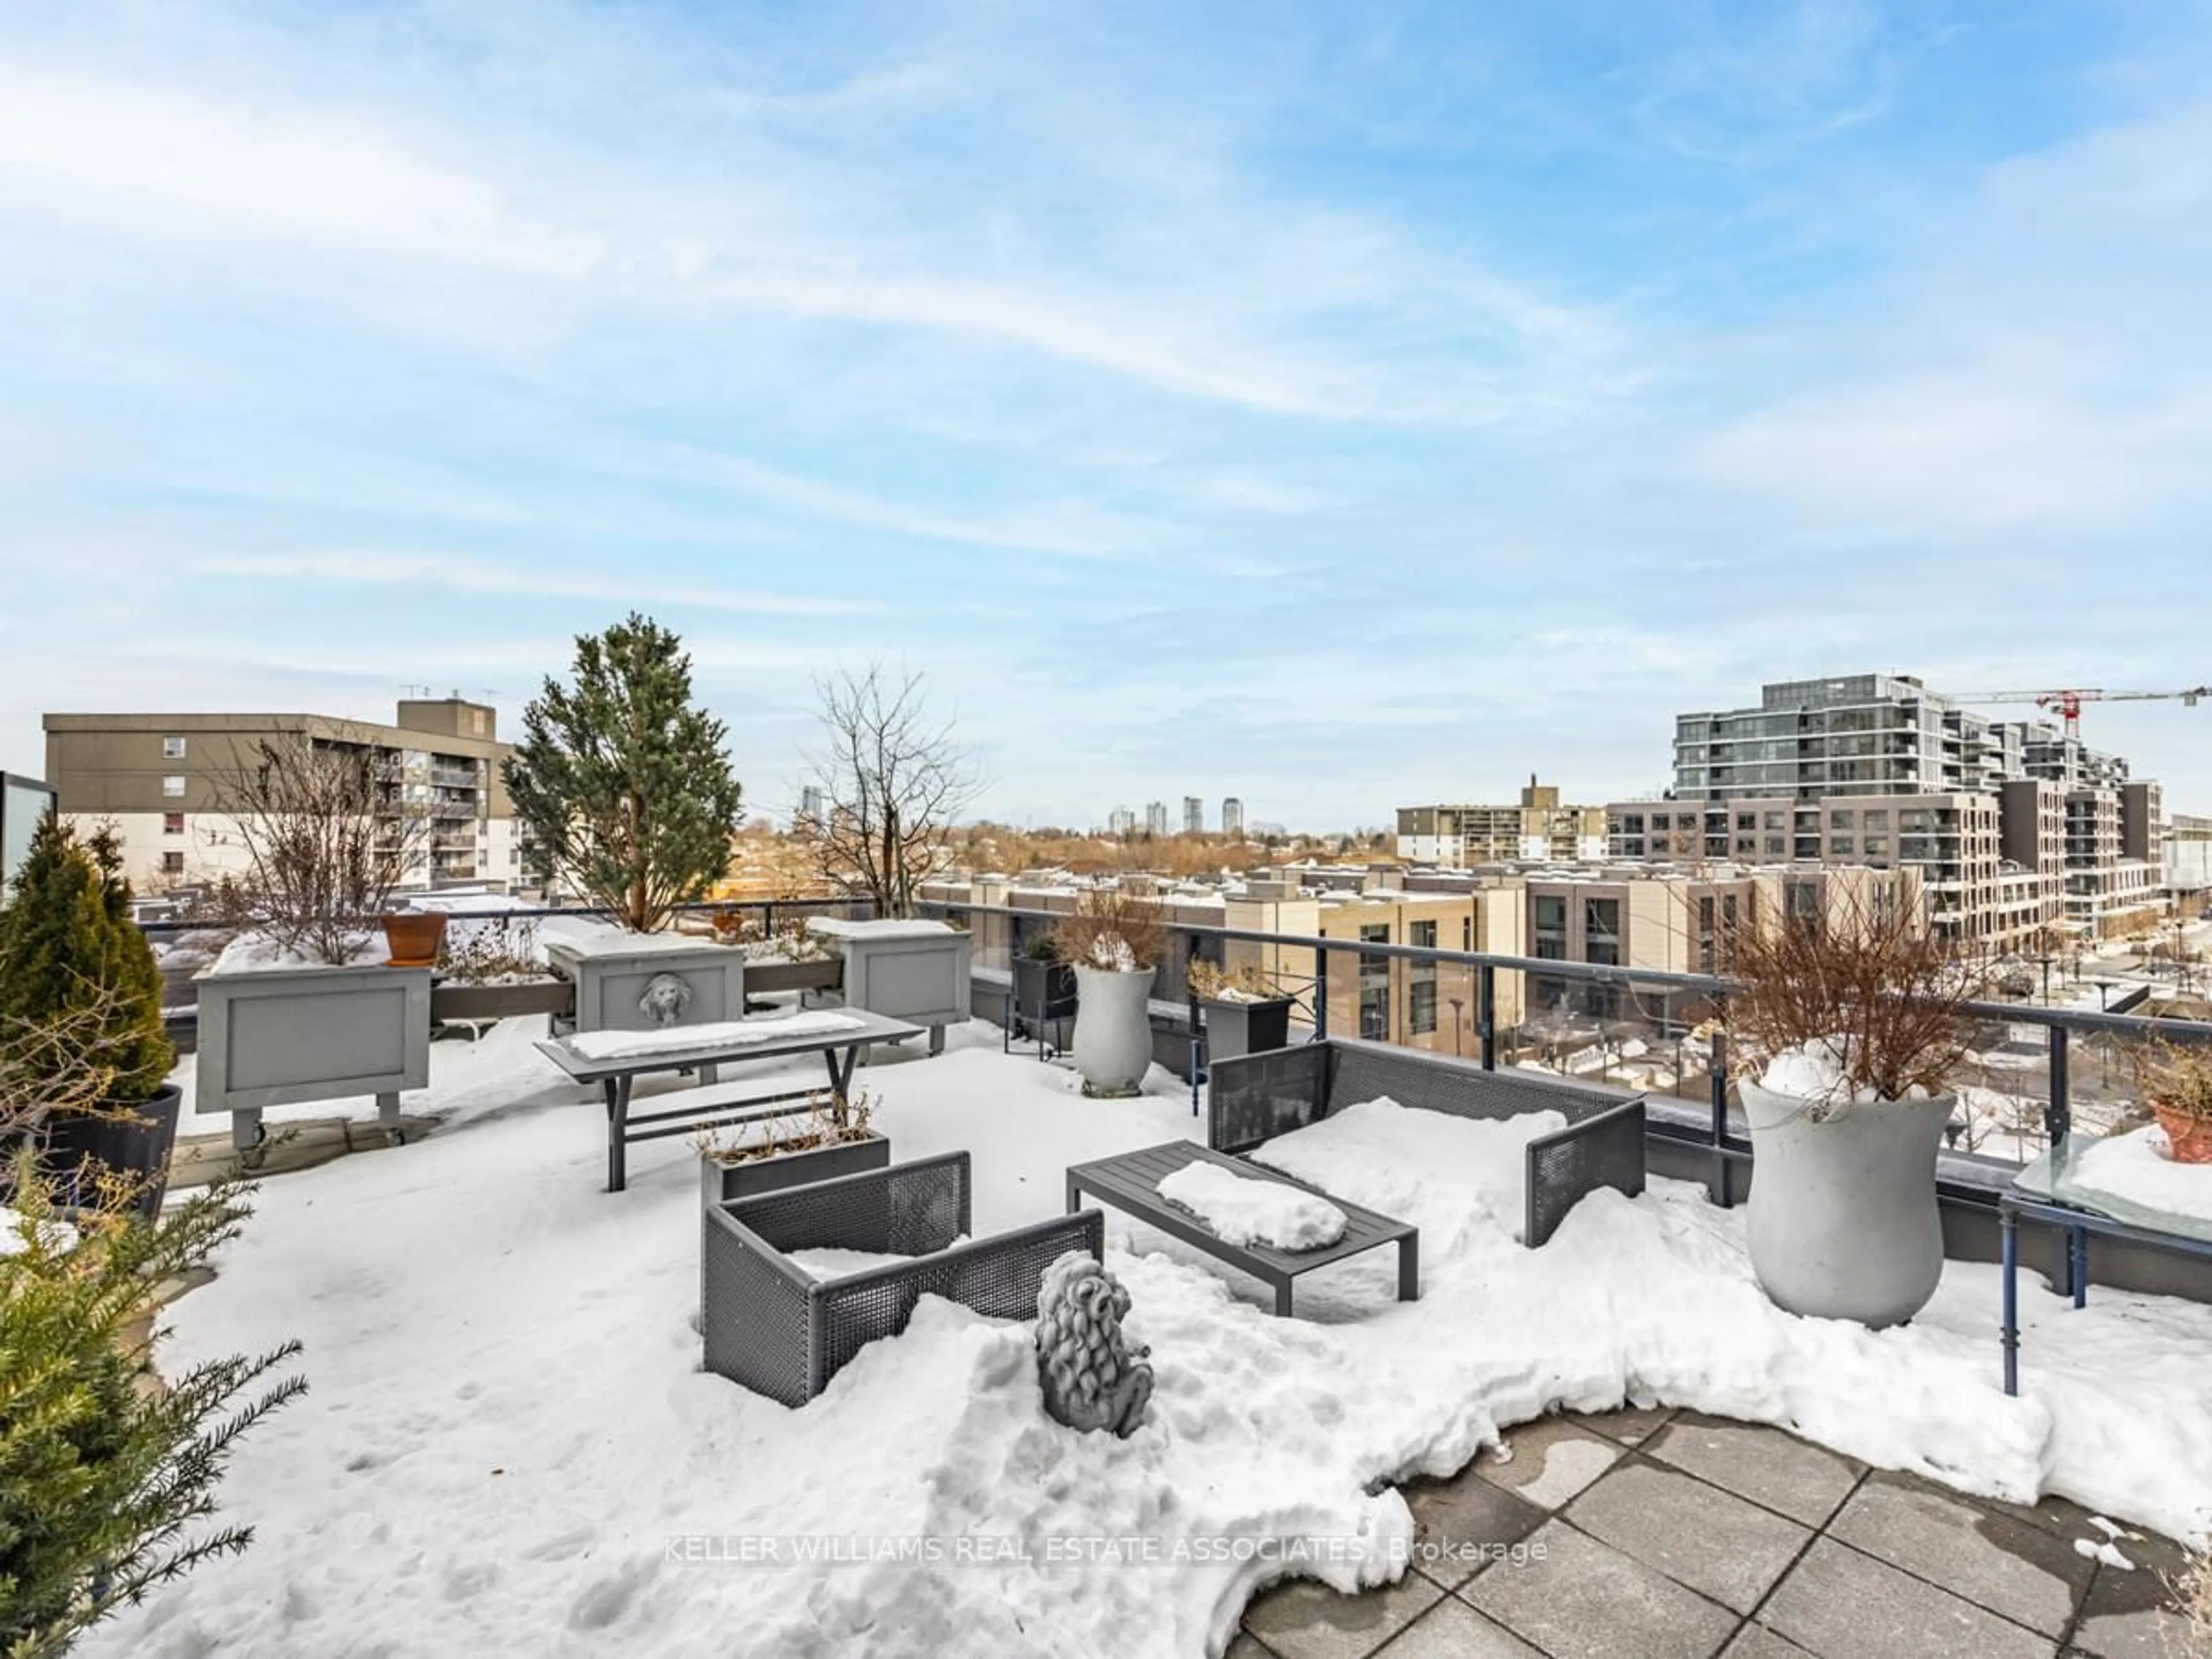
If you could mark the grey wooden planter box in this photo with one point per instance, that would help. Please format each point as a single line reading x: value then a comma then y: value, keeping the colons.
x: 1236, y: 1029
x: 719, y: 1183
x: 611, y: 981
x: 916, y: 971
x: 302, y: 1034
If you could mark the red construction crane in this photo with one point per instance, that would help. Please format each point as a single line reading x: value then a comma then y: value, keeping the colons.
x: 2068, y: 704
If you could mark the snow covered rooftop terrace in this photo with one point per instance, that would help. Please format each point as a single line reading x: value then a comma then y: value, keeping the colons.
x: 510, y: 1447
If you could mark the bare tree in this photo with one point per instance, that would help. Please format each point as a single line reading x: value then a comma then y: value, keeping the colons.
x: 328, y: 835
x: 892, y: 782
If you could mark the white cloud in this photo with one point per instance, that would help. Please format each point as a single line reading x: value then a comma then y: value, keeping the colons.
x: 460, y: 573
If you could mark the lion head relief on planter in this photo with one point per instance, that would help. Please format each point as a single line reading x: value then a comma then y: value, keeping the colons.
x: 666, y: 999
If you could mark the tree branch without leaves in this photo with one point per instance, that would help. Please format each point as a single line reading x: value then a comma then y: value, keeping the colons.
x: 892, y: 784
x: 328, y: 837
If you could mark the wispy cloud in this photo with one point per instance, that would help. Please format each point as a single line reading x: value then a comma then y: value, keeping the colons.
x: 460, y: 573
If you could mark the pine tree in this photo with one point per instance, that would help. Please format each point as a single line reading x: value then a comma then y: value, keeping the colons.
x: 68, y: 944
x: 104, y: 1466
x: 622, y: 781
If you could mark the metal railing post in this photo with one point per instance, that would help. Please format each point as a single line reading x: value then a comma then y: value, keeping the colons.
x: 2058, y: 1114
x: 1486, y: 1015
x: 1723, y: 1185
x: 1321, y: 994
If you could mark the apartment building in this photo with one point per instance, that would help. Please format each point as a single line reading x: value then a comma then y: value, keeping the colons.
x: 1672, y: 920
x: 160, y: 780
x: 2186, y: 853
x: 1538, y: 826
x: 1193, y: 815
x: 1232, y: 816
x: 2018, y: 829
x: 1155, y: 818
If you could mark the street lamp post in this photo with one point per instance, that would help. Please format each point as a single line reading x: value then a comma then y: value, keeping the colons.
x: 1457, y: 1003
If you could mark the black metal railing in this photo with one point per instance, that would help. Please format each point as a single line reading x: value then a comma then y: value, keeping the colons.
x: 1688, y: 1002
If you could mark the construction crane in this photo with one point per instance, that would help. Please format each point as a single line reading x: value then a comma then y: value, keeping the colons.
x: 2068, y: 704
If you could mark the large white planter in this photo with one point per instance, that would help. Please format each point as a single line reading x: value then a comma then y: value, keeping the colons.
x: 1843, y: 1222
x: 1113, y: 1028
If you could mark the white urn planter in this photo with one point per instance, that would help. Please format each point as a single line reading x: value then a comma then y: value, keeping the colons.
x: 1113, y: 1028
x: 1842, y: 1219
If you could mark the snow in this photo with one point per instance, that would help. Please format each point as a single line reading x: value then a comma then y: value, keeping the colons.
x: 16, y: 1235
x: 1453, y: 1177
x: 714, y: 1034
x: 838, y: 927
x: 828, y: 1263
x: 509, y: 1448
x: 257, y: 953
x: 2107, y: 1553
x: 1110, y: 953
x: 1244, y: 1211
x: 603, y: 939
x: 1815, y: 1072
x: 2138, y: 1169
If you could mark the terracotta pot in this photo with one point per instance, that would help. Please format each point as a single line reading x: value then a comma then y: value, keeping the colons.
x: 413, y: 937
x: 2191, y: 1138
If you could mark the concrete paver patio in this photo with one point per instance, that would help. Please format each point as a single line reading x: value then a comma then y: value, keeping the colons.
x: 1658, y: 1533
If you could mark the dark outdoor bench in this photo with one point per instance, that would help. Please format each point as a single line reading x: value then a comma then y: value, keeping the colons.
x: 1256, y: 1097
x: 1131, y: 1181
x: 766, y: 1322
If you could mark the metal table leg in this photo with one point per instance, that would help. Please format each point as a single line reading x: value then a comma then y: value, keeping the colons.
x: 617, y: 1132
x: 2008, y: 1332
x: 2079, y: 1264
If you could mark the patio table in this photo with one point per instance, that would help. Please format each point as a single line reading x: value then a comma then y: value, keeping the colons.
x: 840, y: 1049
x: 1131, y: 1182
x: 2052, y: 1191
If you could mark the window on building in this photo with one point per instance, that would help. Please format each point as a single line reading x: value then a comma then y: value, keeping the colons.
x: 1841, y: 846
x: 1775, y: 820
x: 1705, y: 934
x: 1421, y: 1006
x: 173, y: 749
x: 1375, y: 985
x: 1877, y: 847
x: 1601, y: 932
x: 1840, y: 819
x: 172, y: 823
x: 1877, y: 817
x: 1747, y: 820
x: 173, y: 864
x: 1777, y: 846
x: 174, y: 787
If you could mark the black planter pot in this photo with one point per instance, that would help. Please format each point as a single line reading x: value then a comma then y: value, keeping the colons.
x: 137, y: 1148
x: 719, y: 1183
x: 1043, y: 990
x: 1236, y: 1029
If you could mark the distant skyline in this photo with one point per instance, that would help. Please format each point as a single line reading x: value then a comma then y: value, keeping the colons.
x: 1336, y: 407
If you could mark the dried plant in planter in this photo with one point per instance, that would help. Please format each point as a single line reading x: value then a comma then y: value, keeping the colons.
x: 1863, y: 1006
x: 828, y: 1120
x: 1114, y: 930
x: 1210, y: 983
x: 2177, y: 1084
x: 501, y: 951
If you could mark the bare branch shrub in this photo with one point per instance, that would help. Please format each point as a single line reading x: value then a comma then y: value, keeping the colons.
x: 892, y: 782
x: 64, y: 1062
x: 1113, y: 929
x: 2177, y: 1075
x: 829, y: 1120
x: 501, y: 950
x: 1210, y: 983
x: 1878, y: 993
x: 326, y: 837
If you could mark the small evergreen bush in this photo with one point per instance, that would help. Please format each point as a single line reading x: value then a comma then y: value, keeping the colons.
x: 73, y: 965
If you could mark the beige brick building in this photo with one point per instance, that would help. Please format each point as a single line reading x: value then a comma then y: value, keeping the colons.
x: 1538, y: 826
x: 159, y: 780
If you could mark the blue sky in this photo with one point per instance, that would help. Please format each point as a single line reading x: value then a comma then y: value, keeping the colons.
x: 1328, y: 405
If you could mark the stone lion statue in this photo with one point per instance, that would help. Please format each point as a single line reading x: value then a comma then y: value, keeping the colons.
x: 667, y: 996
x: 1091, y: 1378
